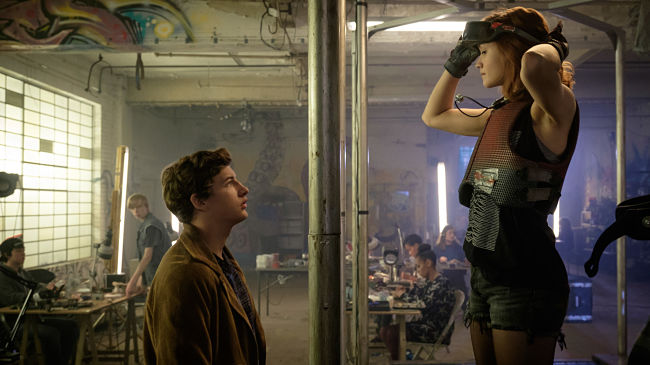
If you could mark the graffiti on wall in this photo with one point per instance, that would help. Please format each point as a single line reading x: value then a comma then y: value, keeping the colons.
x: 118, y: 24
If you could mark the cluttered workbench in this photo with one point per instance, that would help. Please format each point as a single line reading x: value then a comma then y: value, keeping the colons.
x: 83, y: 312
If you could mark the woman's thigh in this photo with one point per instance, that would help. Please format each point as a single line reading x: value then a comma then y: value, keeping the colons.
x: 514, y: 325
x: 515, y: 347
x: 482, y: 344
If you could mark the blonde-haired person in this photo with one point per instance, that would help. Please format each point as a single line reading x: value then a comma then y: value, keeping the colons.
x: 152, y: 243
x: 519, y: 283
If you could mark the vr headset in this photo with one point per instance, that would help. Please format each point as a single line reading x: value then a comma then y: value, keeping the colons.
x: 484, y: 32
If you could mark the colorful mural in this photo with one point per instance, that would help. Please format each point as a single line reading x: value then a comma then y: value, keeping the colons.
x: 75, y: 24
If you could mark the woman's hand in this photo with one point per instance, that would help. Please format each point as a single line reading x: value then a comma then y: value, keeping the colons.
x: 461, y: 58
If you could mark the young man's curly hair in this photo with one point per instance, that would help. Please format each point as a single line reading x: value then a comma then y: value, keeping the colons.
x: 191, y: 175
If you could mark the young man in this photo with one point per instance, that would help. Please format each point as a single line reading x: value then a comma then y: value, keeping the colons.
x: 199, y: 309
x: 412, y: 243
x: 58, y: 335
x: 152, y: 241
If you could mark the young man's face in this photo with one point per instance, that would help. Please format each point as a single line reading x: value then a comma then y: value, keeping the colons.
x: 412, y: 249
x: 17, y: 257
x: 140, y: 211
x: 228, y: 197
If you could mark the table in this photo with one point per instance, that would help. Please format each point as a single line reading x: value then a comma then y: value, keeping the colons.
x: 83, y: 317
x: 266, y: 271
x: 400, y: 314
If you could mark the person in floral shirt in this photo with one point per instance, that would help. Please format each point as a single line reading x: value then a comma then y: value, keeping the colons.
x: 434, y: 290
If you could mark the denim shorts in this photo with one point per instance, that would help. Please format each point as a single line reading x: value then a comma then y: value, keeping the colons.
x: 538, y: 312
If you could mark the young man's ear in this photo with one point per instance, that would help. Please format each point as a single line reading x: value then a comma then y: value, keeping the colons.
x: 197, y: 202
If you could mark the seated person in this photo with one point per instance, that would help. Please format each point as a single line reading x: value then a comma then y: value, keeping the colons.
x: 407, y: 273
x: 438, y: 297
x: 411, y: 244
x: 448, y: 249
x: 58, y: 335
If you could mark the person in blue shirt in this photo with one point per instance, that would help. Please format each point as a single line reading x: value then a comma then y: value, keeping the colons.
x: 448, y: 248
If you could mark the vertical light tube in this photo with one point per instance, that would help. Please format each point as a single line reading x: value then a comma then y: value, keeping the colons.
x: 125, y: 174
x: 442, y: 196
x: 176, y: 225
x: 556, y: 220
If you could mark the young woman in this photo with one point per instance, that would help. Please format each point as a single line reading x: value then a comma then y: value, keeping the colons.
x: 448, y: 248
x: 519, y: 284
x: 436, y: 294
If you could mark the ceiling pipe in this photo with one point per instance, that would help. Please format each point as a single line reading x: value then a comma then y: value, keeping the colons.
x: 208, y: 55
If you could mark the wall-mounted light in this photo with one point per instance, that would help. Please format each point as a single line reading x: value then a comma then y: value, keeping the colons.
x: 442, y: 196
x: 556, y: 220
x: 125, y: 174
x: 425, y: 26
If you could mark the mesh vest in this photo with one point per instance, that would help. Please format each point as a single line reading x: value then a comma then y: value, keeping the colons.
x: 497, y: 176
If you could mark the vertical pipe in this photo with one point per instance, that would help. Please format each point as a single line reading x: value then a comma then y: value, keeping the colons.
x: 324, y: 204
x: 342, y: 169
x: 360, y: 191
x: 621, y: 280
x: 353, y: 342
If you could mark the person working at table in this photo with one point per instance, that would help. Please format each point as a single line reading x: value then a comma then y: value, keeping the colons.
x: 57, y: 335
x: 152, y: 242
x: 411, y: 244
x: 438, y: 298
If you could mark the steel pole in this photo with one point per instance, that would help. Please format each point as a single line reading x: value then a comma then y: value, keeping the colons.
x: 342, y: 169
x: 324, y: 203
x: 359, y: 321
x: 621, y: 279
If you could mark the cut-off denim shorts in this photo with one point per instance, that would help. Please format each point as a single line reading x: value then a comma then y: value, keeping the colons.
x: 538, y: 312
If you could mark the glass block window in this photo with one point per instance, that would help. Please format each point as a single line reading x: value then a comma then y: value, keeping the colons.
x: 47, y: 139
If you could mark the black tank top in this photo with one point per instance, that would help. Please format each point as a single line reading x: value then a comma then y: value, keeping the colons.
x: 543, y: 266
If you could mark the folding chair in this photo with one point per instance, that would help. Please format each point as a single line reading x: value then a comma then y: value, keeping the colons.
x: 425, y: 350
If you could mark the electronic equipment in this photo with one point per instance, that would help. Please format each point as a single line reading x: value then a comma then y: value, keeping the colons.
x: 483, y: 32
x: 632, y: 219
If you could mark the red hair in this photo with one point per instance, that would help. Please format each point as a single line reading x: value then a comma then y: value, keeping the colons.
x: 513, y: 48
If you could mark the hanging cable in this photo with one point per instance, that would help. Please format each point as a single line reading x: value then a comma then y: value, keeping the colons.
x: 274, y: 12
x: 495, y: 105
x: 90, y: 73
x: 139, y: 71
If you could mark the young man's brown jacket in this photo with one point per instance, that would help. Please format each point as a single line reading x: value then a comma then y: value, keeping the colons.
x: 192, y: 313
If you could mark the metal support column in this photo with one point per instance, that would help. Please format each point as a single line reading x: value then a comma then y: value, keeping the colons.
x: 324, y: 203
x: 359, y: 322
x: 621, y: 279
x: 342, y: 168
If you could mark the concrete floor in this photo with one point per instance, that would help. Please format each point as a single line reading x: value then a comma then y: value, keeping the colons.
x: 286, y: 326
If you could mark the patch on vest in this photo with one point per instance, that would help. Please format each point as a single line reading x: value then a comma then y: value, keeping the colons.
x: 483, y: 225
x: 484, y: 179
